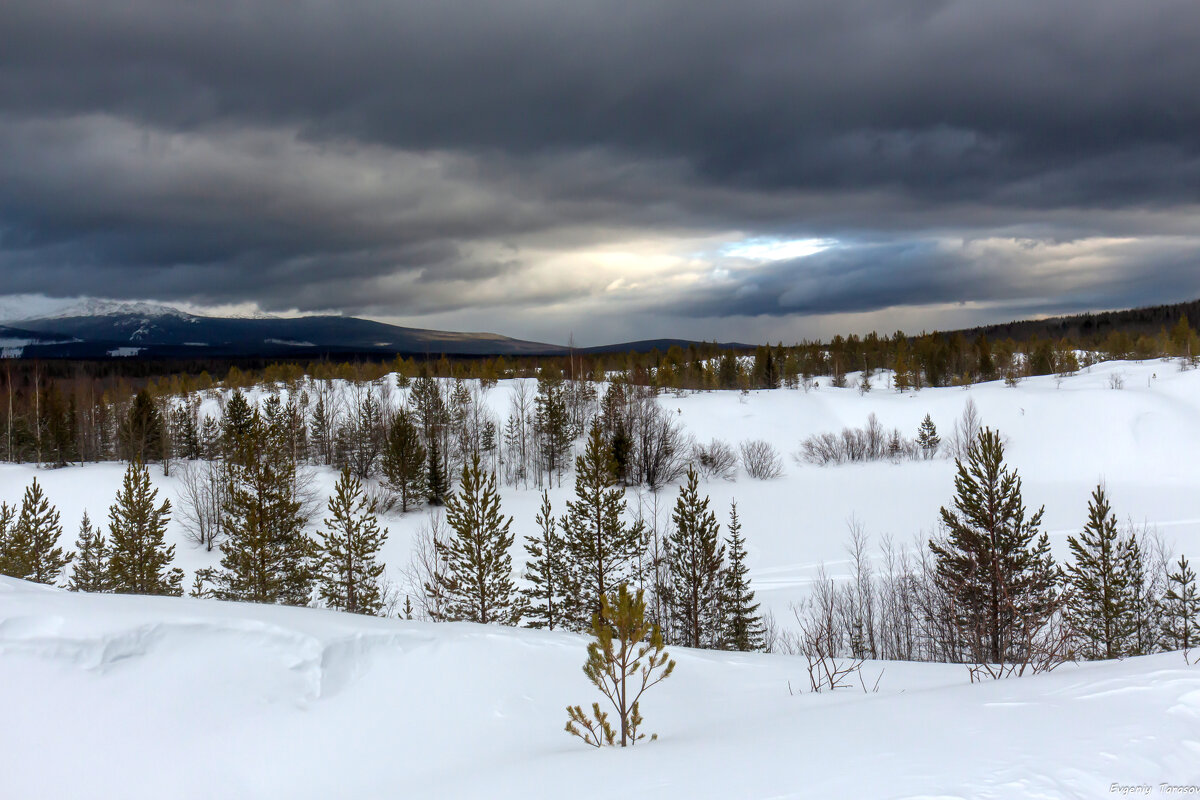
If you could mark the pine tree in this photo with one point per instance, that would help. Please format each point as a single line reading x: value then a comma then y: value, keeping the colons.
x: 546, y: 572
x: 601, y: 546
x: 404, y: 468
x: 238, y: 430
x: 927, y: 438
x: 90, y: 571
x: 994, y: 562
x: 140, y: 560
x: 1100, y: 605
x: 552, y: 424
x: 266, y: 557
x: 695, y: 563
x: 743, y: 626
x: 1180, y: 609
x: 30, y: 546
x: 435, y: 481
x: 143, y: 431
x: 349, y: 574
x: 476, y: 583
x: 626, y: 647
x: 1143, y: 606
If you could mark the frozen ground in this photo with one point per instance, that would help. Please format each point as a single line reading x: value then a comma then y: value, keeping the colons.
x: 124, y: 697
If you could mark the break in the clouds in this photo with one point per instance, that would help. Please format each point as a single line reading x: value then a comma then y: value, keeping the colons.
x: 758, y: 169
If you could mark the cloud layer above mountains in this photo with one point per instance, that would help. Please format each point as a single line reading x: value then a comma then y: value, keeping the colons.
x: 536, y: 166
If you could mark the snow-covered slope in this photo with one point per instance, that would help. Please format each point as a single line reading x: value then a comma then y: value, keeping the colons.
x: 132, y: 697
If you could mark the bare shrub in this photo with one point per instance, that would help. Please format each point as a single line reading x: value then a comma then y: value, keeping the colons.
x: 966, y: 431
x: 203, y: 490
x: 868, y: 443
x: 1116, y: 380
x: 660, y: 446
x: 717, y: 459
x: 423, y: 566
x: 761, y: 460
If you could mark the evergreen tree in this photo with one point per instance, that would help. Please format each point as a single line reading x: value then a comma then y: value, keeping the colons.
x: 30, y: 546
x: 695, y: 562
x: 994, y: 562
x: 435, y: 482
x: 552, y: 423
x: 90, y: 571
x: 476, y: 583
x: 142, y: 434
x: 238, y: 429
x: 927, y: 438
x: 1180, y: 609
x: 626, y: 659
x: 140, y: 560
x: 404, y: 469
x: 1143, y: 606
x: 601, y: 546
x: 266, y: 555
x: 349, y: 574
x: 743, y: 626
x: 546, y: 572
x: 1100, y: 605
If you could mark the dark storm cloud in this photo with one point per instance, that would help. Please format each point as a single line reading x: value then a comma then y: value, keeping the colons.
x: 409, y: 155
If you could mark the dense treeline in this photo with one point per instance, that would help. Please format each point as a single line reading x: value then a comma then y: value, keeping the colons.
x: 55, y: 413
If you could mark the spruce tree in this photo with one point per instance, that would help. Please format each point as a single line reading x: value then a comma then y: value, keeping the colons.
x: 476, y: 580
x: 90, y: 571
x: 143, y: 431
x: 601, y: 546
x: 1180, y: 609
x: 1143, y: 606
x: 695, y: 563
x: 266, y: 557
x: 552, y: 423
x: 546, y: 572
x: 927, y: 438
x: 7, y: 515
x: 435, y: 480
x: 349, y: 574
x: 994, y: 563
x: 1100, y: 605
x: 239, y: 430
x: 743, y: 626
x: 404, y: 468
x: 140, y: 560
x: 31, y: 550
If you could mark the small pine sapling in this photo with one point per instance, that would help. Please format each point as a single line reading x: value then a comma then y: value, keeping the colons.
x: 626, y: 647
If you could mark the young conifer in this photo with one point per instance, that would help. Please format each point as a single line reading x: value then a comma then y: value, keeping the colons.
x: 626, y: 659
x: 601, y: 546
x: 349, y: 574
x: 743, y: 626
x: 90, y: 571
x: 1180, y: 609
x: 476, y: 582
x: 266, y: 557
x: 404, y: 469
x: 435, y: 481
x: 140, y: 560
x: 30, y: 549
x: 545, y: 571
x: 696, y: 560
x: 995, y: 563
x: 927, y: 438
x: 1100, y: 605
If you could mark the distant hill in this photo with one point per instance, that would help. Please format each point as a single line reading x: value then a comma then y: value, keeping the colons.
x: 105, y: 329
x: 1135, y: 321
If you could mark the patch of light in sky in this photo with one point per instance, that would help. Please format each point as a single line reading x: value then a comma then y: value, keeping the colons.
x: 770, y: 249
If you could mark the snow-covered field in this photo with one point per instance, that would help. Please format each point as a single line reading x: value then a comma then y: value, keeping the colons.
x: 129, y: 697
x: 150, y: 697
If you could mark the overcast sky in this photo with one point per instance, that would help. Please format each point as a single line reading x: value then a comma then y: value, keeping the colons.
x: 759, y: 169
